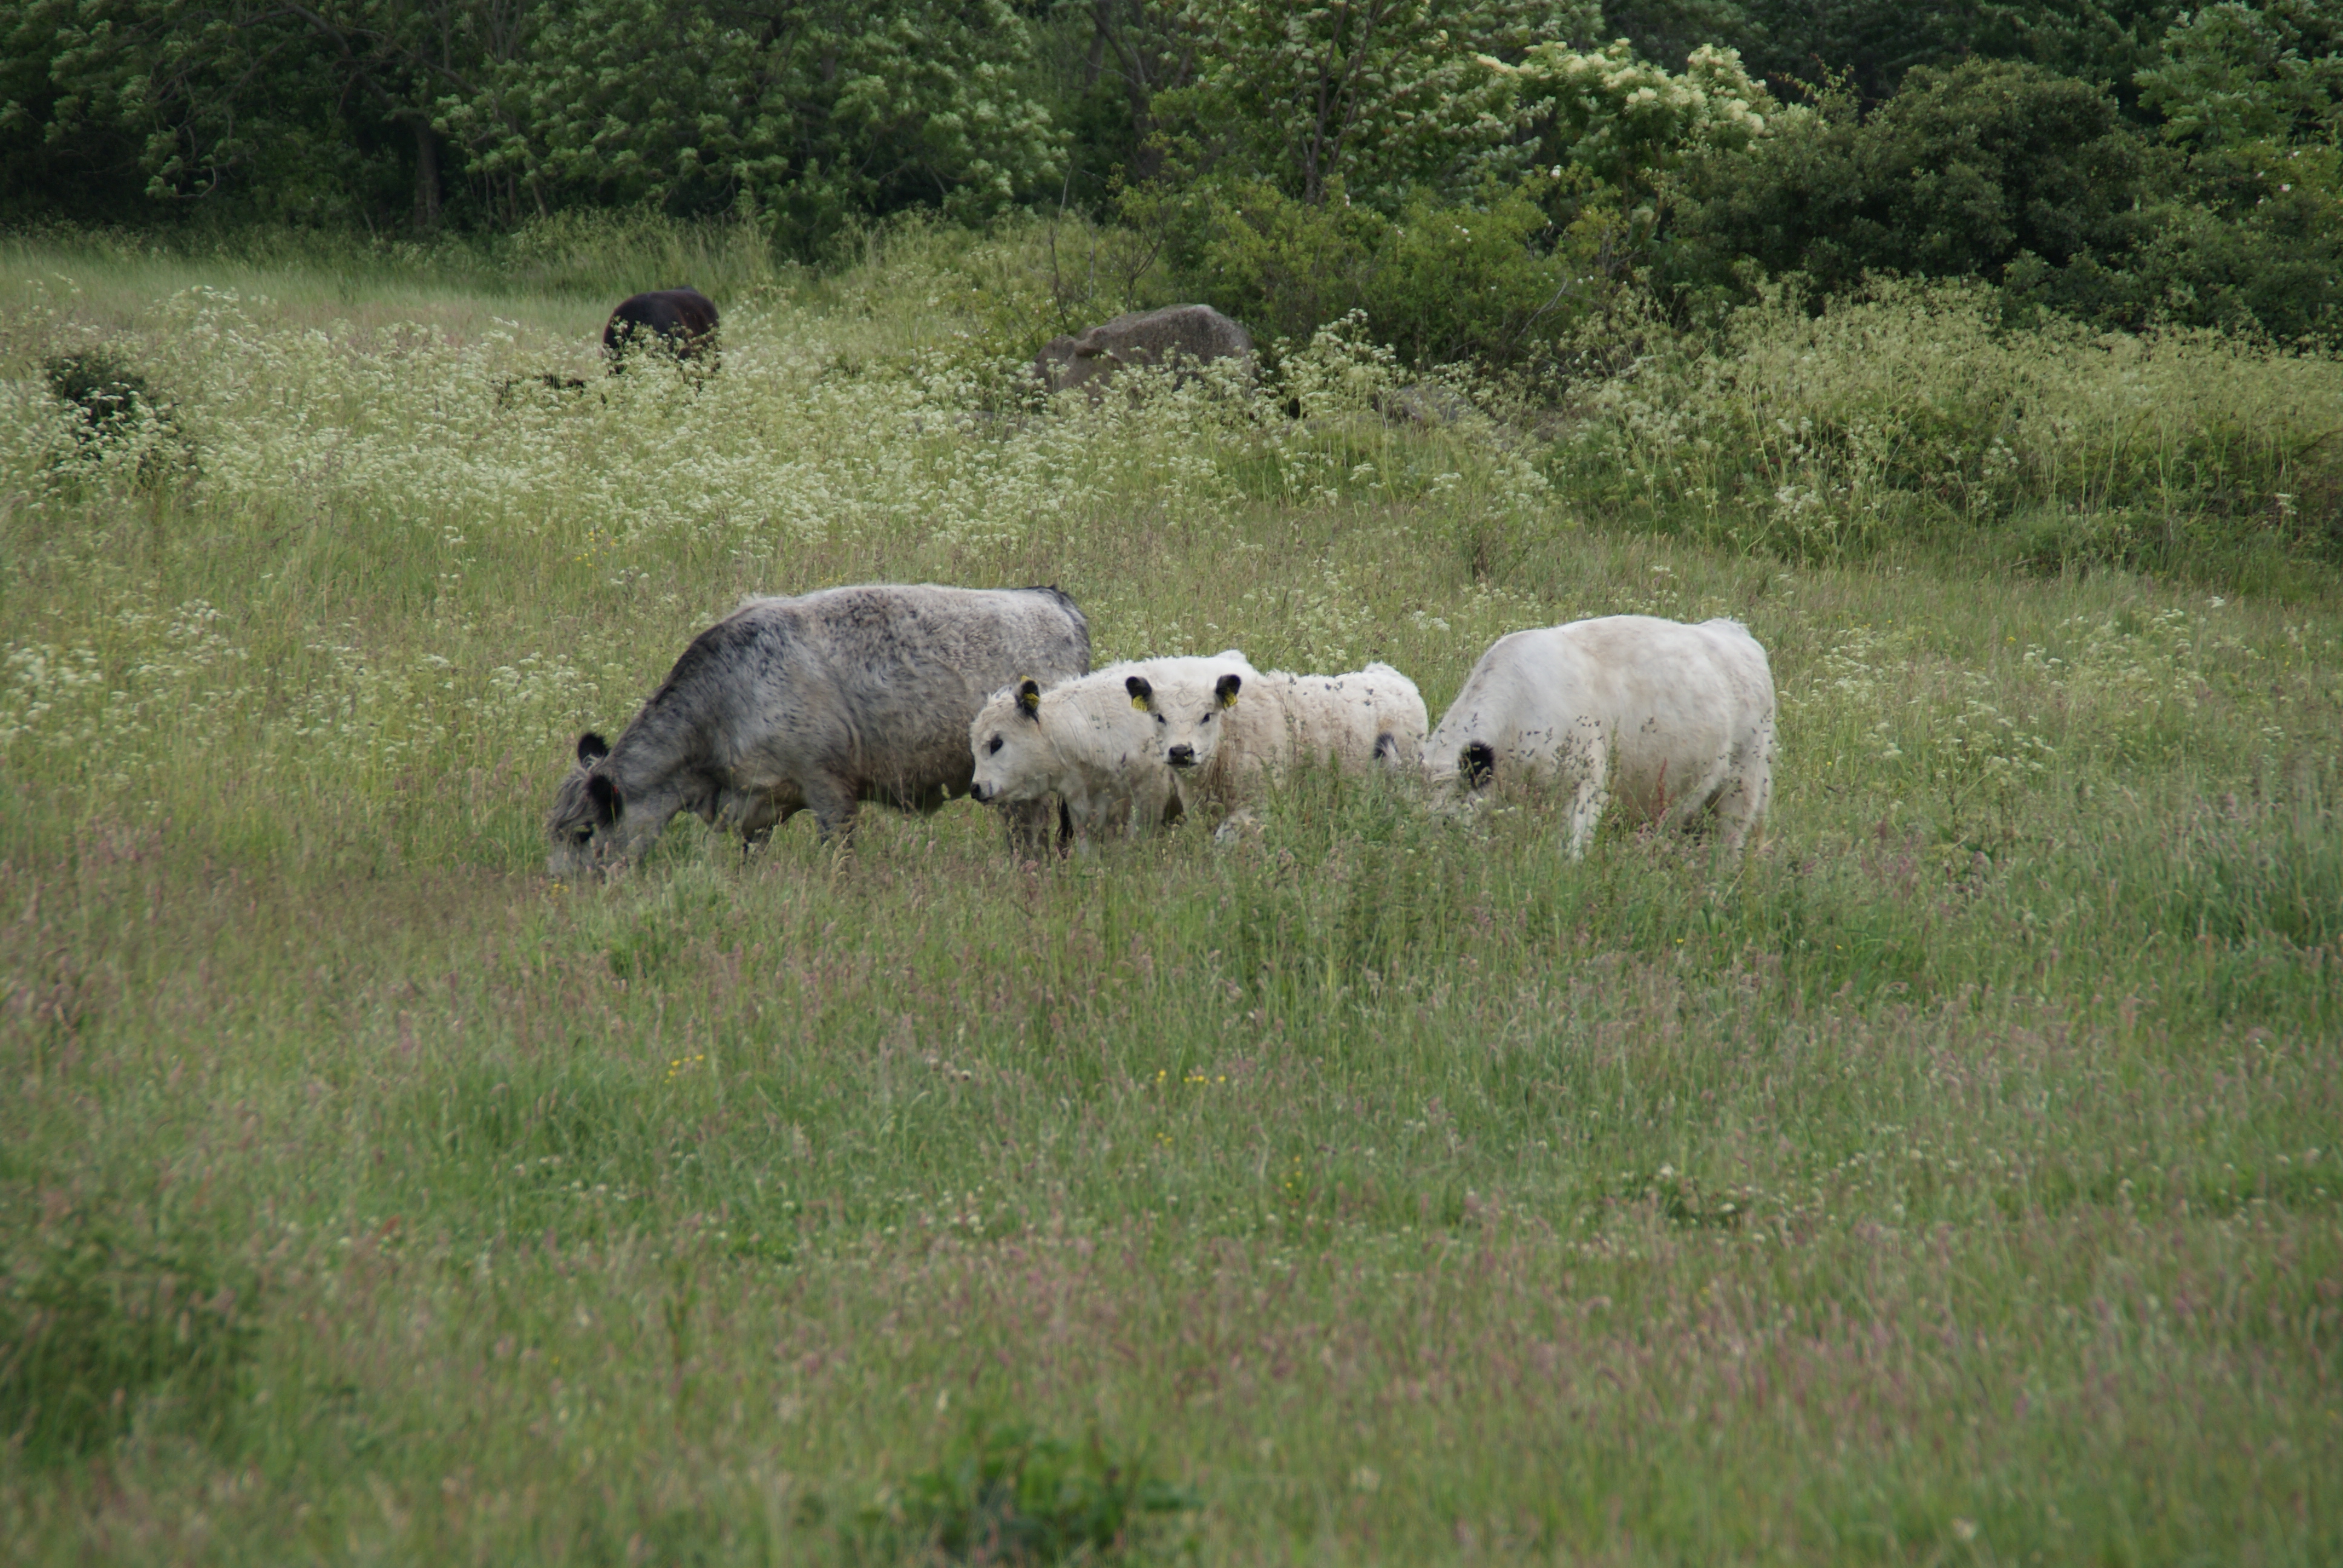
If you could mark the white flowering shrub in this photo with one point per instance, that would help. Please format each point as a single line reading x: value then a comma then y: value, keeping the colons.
x: 1624, y: 119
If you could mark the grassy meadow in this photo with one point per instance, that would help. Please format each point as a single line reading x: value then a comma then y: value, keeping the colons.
x: 1955, y: 1182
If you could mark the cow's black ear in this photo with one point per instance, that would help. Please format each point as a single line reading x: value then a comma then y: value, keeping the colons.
x: 608, y: 804
x: 1028, y: 697
x: 1142, y: 695
x: 1479, y: 762
x: 592, y: 749
x: 1227, y: 688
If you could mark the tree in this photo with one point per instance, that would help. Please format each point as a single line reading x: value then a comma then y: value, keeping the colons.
x: 1372, y: 97
x: 2232, y: 73
x: 214, y: 90
x: 1960, y: 174
x: 1624, y: 120
x: 810, y: 110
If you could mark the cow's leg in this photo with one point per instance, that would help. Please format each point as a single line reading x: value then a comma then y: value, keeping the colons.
x: 1170, y: 805
x: 758, y: 823
x: 832, y: 802
x: 1086, y: 818
x: 1586, y: 803
x: 1029, y: 823
x: 1740, y: 811
x: 1148, y: 807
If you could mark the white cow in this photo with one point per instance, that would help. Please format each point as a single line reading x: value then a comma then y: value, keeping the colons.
x: 1247, y: 728
x: 1094, y: 741
x: 1674, y: 721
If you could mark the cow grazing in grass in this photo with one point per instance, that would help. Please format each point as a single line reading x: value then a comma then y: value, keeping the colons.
x: 1095, y: 742
x: 816, y: 704
x: 680, y: 321
x: 1673, y: 722
x: 1228, y: 740
x: 1175, y: 334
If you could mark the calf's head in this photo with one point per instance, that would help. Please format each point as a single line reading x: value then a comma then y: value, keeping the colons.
x: 1014, y: 758
x: 1191, y: 723
x: 584, y: 825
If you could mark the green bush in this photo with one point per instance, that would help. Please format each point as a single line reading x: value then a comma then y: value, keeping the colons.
x: 1006, y: 1494
x: 1280, y: 265
x: 1960, y: 174
x: 2253, y: 245
x: 108, y: 395
x: 114, y: 415
x: 1440, y: 282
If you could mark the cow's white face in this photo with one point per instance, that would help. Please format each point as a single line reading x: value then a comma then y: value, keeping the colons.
x: 1014, y: 758
x: 1192, y: 719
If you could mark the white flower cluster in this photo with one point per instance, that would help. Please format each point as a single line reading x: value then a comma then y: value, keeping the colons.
x: 1625, y: 118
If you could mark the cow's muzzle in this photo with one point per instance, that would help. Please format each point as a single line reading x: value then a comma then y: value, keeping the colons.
x: 982, y: 794
x: 1181, y: 757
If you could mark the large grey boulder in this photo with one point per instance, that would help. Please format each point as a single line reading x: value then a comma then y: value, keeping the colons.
x: 1184, y: 334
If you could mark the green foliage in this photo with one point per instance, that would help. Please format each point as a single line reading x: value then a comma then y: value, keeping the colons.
x: 1006, y: 1493
x: 1961, y: 174
x: 1490, y: 280
x: 108, y: 396
x: 819, y: 113
x: 1488, y: 283
x: 2256, y: 247
x: 104, y: 1322
x: 114, y: 419
x: 1370, y: 100
x: 2111, y: 159
x: 2234, y: 74
x: 1873, y: 44
x: 2246, y: 232
x: 314, y: 113
x: 1277, y: 263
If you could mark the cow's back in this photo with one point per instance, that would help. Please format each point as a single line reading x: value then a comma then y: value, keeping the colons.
x: 1342, y: 717
x: 684, y: 319
x: 1197, y: 334
x: 897, y: 673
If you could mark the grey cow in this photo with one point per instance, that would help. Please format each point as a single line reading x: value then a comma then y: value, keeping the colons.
x: 817, y: 703
x: 1196, y: 334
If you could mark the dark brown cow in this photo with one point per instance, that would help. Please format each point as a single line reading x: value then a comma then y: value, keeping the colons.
x: 683, y: 321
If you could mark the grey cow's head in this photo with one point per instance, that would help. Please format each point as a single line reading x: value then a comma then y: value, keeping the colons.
x: 587, y: 811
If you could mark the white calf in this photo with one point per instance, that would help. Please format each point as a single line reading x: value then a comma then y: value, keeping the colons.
x: 1094, y: 741
x: 1247, y: 728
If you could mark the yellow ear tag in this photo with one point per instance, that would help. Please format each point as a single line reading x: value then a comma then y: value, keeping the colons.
x: 1228, y: 699
x: 1140, y: 703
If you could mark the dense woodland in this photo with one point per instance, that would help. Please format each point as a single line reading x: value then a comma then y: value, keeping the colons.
x: 1474, y: 174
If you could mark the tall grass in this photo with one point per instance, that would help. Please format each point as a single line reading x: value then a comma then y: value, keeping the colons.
x: 1955, y: 1180
x: 1915, y: 412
